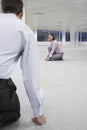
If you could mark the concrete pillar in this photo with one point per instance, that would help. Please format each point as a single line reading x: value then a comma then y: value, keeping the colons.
x: 76, y: 38
x: 59, y: 36
x: 36, y: 34
x: 60, y: 28
x: 80, y: 37
x: 35, y: 25
x: 23, y: 18
x: 72, y: 35
x: 63, y: 37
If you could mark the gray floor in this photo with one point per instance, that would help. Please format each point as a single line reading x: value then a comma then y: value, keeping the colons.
x: 65, y: 93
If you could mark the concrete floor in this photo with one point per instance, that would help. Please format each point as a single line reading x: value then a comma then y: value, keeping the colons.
x: 65, y: 93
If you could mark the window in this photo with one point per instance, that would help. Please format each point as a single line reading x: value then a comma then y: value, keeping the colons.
x: 67, y: 36
x: 82, y: 36
x: 42, y: 35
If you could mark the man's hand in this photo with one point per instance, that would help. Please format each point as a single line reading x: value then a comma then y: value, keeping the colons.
x: 39, y: 120
x: 48, y: 58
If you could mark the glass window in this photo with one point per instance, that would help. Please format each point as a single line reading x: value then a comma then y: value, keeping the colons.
x: 67, y: 36
x: 42, y: 35
x: 84, y: 36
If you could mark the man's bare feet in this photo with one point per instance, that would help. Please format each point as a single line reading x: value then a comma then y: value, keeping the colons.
x: 39, y: 120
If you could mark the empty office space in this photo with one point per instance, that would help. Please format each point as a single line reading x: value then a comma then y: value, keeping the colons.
x: 63, y: 82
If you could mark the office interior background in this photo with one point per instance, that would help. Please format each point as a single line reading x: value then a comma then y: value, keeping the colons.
x: 67, y: 19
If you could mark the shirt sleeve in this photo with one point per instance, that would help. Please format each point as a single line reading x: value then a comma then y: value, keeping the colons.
x: 53, y: 49
x: 30, y: 64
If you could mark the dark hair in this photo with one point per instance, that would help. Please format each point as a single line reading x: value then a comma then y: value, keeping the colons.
x: 52, y: 36
x: 12, y: 6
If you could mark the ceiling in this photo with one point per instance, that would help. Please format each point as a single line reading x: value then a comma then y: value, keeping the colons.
x: 56, y: 14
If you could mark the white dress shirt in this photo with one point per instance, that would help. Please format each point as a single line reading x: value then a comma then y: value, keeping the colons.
x: 18, y: 41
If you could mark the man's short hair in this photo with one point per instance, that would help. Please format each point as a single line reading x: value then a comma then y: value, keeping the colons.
x: 12, y: 6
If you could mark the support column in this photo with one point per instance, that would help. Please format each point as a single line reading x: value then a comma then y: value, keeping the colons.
x: 77, y: 38
x: 60, y: 29
x: 80, y: 37
x: 35, y: 25
x: 72, y: 35
x: 36, y: 34
x: 63, y: 37
x: 59, y: 35
x: 23, y: 18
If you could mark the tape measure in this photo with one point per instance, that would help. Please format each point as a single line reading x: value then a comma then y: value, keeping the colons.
x: 43, y: 75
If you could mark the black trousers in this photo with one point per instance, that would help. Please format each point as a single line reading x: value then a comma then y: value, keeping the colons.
x: 9, y: 102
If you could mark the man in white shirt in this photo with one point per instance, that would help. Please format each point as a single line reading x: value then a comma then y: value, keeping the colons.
x: 17, y: 40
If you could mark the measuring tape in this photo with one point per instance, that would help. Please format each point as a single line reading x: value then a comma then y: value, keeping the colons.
x: 43, y: 74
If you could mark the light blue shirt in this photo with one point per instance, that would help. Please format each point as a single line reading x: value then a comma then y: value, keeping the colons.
x: 18, y: 41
